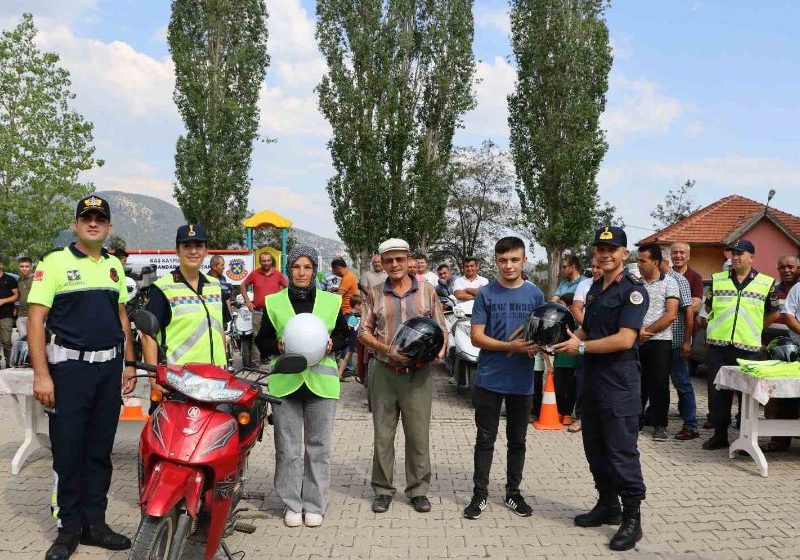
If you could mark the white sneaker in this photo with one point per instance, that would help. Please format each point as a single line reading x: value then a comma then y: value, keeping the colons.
x: 292, y: 518
x: 313, y: 520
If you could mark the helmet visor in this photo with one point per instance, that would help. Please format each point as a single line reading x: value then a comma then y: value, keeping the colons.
x: 546, y: 333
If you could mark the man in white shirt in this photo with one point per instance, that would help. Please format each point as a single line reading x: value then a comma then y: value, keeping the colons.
x: 466, y: 287
x: 423, y: 274
x: 376, y: 276
x: 655, y: 337
x: 579, y: 298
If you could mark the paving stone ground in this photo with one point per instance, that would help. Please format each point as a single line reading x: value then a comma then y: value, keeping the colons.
x: 700, y: 504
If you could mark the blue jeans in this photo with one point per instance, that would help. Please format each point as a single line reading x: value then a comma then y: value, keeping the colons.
x: 687, y: 405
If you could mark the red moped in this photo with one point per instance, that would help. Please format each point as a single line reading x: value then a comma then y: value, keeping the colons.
x: 193, y: 453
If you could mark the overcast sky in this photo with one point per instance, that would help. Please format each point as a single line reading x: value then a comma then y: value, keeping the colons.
x: 701, y: 90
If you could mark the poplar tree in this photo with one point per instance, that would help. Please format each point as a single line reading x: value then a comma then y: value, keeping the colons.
x: 563, y: 59
x: 220, y: 52
x: 44, y: 145
x: 399, y: 79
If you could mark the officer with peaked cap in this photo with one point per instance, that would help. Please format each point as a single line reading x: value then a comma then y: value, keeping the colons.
x: 188, y: 306
x: 614, y: 311
x: 743, y: 301
x: 78, y: 373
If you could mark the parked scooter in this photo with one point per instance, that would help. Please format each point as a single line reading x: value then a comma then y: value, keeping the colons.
x: 193, y: 453
x: 461, y: 359
x: 240, y: 330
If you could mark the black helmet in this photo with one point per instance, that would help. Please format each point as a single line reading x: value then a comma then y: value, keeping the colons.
x: 420, y: 339
x: 548, y: 325
x: 783, y: 348
x: 19, y: 353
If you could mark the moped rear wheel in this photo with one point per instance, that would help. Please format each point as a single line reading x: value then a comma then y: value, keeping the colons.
x: 154, y: 537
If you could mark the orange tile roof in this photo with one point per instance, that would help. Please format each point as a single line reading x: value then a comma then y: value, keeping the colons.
x: 716, y: 222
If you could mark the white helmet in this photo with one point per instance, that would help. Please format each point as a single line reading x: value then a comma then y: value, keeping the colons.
x: 305, y: 334
x: 130, y: 284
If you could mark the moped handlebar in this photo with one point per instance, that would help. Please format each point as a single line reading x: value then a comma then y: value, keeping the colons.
x: 141, y: 365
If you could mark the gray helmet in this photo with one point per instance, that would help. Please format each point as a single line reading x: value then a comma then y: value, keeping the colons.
x: 19, y: 353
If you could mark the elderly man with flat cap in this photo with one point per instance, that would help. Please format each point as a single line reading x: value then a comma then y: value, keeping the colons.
x: 396, y: 390
x: 743, y: 301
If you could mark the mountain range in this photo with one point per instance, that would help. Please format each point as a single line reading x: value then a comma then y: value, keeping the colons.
x: 146, y: 222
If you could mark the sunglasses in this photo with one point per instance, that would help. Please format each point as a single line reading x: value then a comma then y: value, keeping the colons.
x: 390, y: 260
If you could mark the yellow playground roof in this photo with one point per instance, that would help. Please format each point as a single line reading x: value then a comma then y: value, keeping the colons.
x: 266, y: 218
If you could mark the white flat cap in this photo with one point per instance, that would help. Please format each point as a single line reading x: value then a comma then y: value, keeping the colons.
x: 393, y: 244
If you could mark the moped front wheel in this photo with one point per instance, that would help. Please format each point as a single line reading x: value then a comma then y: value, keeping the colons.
x: 154, y: 537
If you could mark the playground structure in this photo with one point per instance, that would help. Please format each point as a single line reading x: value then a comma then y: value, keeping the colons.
x: 262, y: 219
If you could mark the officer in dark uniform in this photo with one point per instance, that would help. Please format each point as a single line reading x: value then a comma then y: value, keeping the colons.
x: 78, y: 373
x: 610, y: 407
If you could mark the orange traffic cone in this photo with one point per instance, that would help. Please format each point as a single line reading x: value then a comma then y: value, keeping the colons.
x: 132, y: 410
x: 548, y: 415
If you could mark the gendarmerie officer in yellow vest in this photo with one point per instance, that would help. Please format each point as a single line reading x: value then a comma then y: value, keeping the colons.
x: 188, y: 306
x: 79, y: 292
x: 743, y: 302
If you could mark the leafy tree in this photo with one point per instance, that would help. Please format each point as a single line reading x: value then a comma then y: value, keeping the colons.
x: 676, y: 206
x: 479, y: 203
x: 220, y: 53
x: 399, y: 79
x: 563, y: 59
x: 271, y: 237
x: 115, y: 242
x: 44, y: 145
x: 606, y: 215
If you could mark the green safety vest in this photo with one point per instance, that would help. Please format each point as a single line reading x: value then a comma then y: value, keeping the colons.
x: 195, y: 332
x: 322, y: 379
x: 737, y: 316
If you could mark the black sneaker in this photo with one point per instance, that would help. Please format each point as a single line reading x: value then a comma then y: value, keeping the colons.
x: 475, y: 507
x: 518, y: 505
x: 660, y: 434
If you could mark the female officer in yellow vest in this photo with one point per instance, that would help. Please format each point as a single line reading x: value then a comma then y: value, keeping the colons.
x: 188, y: 306
x: 302, y: 468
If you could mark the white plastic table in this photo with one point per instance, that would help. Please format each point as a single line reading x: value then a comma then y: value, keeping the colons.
x: 18, y: 383
x: 757, y: 391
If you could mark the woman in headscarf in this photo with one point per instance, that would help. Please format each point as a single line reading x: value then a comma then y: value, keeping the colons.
x: 304, y: 422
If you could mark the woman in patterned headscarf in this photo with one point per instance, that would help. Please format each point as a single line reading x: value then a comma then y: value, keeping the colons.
x: 304, y: 422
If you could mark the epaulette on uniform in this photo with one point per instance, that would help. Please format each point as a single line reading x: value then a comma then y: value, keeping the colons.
x: 51, y: 251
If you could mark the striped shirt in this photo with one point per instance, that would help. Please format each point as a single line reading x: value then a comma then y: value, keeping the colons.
x: 685, y: 300
x: 660, y: 290
x: 385, y: 310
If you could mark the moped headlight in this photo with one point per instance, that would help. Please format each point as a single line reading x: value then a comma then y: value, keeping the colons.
x: 201, y: 388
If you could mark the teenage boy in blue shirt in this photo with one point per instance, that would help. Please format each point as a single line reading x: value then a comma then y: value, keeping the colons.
x: 505, y: 373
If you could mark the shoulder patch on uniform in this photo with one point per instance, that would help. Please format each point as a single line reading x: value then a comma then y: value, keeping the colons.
x: 636, y: 298
x: 50, y: 252
x: 633, y: 278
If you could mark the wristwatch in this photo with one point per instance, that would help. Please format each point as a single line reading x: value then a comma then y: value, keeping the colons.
x: 581, y: 348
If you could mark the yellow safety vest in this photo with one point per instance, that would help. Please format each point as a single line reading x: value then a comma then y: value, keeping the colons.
x: 195, y: 332
x: 323, y: 378
x: 737, y: 316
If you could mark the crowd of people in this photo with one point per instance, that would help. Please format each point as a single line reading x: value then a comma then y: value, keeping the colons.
x: 633, y: 333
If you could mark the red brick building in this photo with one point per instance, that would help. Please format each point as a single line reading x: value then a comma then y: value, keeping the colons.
x: 707, y: 231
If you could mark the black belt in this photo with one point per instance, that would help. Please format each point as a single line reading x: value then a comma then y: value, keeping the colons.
x: 623, y: 355
x: 402, y: 369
